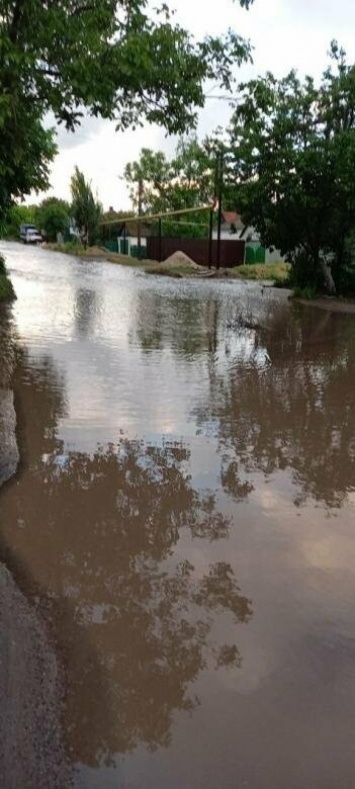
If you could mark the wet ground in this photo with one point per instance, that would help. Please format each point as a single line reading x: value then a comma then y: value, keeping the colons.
x: 180, y: 533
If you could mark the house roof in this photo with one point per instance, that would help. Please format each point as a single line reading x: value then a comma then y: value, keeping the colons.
x: 231, y: 217
x: 131, y: 228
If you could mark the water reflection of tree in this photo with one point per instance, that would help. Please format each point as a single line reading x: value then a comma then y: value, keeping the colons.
x: 185, y: 325
x: 86, y: 310
x: 92, y: 540
x: 295, y: 411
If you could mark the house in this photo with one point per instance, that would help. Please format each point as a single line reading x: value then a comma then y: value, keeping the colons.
x: 231, y: 226
x: 132, y: 235
x: 254, y: 251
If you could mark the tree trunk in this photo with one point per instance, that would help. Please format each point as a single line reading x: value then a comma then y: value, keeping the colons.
x: 328, y: 277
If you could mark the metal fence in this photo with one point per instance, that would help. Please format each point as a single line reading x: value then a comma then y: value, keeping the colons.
x: 198, y: 249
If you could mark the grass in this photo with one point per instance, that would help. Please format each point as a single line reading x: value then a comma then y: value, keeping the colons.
x: 278, y: 272
x: 97, y: 253
x: 309, y: 293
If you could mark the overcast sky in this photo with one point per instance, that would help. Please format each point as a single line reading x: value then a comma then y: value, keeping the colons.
x: 285, y: 34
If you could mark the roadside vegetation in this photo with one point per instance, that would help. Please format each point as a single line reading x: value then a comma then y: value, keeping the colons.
x: 7, y: 292
x: 77, y: 249
x: 292, y: 152
x: 275, y: 272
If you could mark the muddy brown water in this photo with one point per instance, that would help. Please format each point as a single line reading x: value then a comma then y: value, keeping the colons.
x: 182, y: 527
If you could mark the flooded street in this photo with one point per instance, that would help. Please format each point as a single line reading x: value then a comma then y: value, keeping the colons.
x: 182, y: 529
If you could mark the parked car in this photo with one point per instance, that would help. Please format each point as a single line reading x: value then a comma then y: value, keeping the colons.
x: 30, y: 235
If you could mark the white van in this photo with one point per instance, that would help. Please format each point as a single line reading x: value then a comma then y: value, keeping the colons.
x: 30, y: 235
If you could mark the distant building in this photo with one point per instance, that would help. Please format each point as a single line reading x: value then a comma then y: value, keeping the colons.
x: 231, y: 227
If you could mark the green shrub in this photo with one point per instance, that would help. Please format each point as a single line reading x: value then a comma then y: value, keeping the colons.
x: 71, y: 247
x: 309, y: 292
x: 6, y: 290
x: 17, y: 215
x: 2, y: 267
x: 304, y: 273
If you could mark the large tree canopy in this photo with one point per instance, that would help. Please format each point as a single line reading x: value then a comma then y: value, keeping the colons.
x: 183, y: 181
x: 186, y: 180
x: 120, y: 60
x: 292, y: 159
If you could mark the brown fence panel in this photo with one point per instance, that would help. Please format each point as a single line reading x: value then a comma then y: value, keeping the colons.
x: 231, y: 252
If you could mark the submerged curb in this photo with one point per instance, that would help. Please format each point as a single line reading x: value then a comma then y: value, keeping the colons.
x: 9, y: 453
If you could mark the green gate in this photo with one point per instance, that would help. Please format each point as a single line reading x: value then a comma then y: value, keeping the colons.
x: 254, y: 255
x: 249, y: 255
x: 112, y: 245
x: 260, y: 255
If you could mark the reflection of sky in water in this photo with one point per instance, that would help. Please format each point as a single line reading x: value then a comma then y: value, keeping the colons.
x: 135, y: 366
x: 88, y: 319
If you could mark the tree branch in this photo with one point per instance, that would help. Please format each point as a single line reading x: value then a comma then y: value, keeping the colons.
x: 48, y: 72
x: 83, y: 9
x: 16, y: 21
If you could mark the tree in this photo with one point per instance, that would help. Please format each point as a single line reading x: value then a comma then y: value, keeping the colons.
x: 155, y: 633
x: 292, y: 159
x: 305, y: 380
x: 15, y: 216
x: 26, y: 149
x: 86, y: 210
x: 185, y: 181
x: 53, y: 217
x: 105, y: 56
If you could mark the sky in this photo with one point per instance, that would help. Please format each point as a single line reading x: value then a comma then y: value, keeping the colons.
x: 285, y: 34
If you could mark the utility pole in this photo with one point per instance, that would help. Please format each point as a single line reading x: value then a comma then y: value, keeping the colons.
x: 140, y: 201
x: 220, y: 165
x: 159, y: 236
x: 210, y: 239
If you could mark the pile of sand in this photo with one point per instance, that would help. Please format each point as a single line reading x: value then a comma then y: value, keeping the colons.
x: 180, y: 259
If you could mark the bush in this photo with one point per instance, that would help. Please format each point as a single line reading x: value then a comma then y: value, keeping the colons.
x: 2, y: 267
x: 53, y: 217
x: 6, y: 290
x: 308, y: 292
x: 304, y: 273
x: 345, y: 277
x: 70, y: 247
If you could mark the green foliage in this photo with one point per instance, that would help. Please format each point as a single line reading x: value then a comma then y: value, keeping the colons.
x: 15, y: 216
x: 181, y: 229
x: 26, y: 148
x: 107, y: 232
x: 7, y: 292
x: 111, y: 215
x: 53, y: 217
x: 308, y: 293
x: 74, y: 247
x: 184, y: 181
x: 86, y: 209
x: 347, y: 274
x: 120, y: 60
x: 292, y: 159
x: 277, y: 272
x: 304, y: 272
